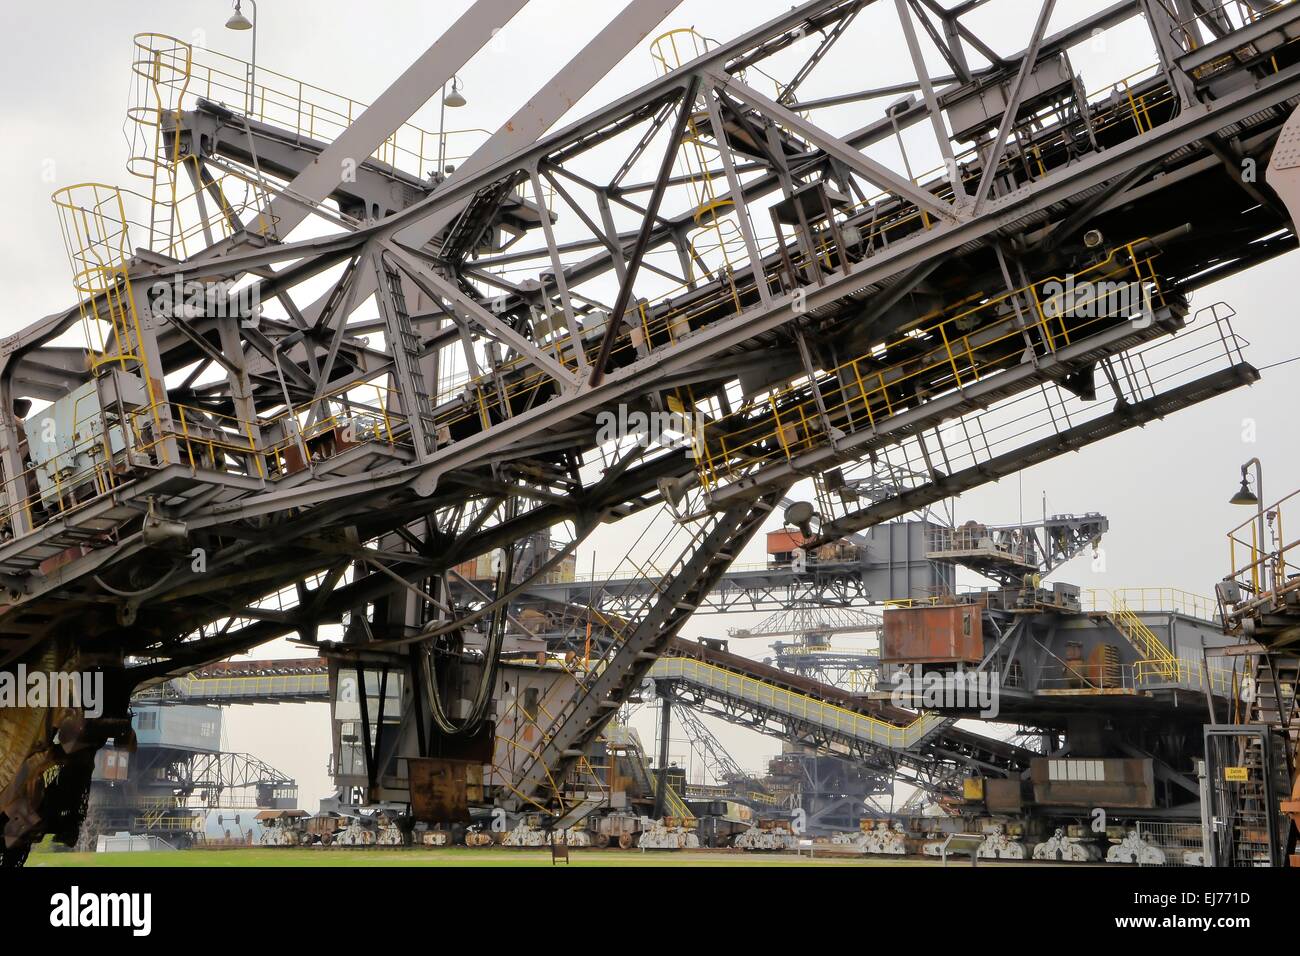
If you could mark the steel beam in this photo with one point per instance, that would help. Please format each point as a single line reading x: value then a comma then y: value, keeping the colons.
x: 421, y: 80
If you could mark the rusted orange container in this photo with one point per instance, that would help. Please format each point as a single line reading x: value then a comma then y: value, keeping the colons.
x: 783, y: 542
x: 932, y: 635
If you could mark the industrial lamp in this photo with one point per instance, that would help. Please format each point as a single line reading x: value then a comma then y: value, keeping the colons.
x: 1255, y: 499
x: 801, y: 514
x: 455, y: 99
x: 241, y: 23
x: 1244, y: 495
x: 238, y: 21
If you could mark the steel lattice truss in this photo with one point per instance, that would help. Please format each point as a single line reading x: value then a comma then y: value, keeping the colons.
x: 214, y: 777
x: 268, y: 429
x: 811, y: 619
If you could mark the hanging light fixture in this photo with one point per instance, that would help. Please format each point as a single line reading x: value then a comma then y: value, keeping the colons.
x: 1244, y: 495
x: 238, y: 21
x: 454, y: 98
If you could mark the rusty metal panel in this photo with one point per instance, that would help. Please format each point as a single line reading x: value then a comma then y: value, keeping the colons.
x: 1002, y: 796
x: 783, y: 542
x: 932, y: 635
x: 1085, y: 782
x: 112, y: 763
x: 440, y: 789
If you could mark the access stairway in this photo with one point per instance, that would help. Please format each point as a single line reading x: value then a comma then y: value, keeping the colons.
x: 627, y: 660
x: 628, y: 743
x: 1144, y: 640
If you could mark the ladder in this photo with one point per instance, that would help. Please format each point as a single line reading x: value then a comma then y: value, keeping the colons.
x: 1277, y: 704
x: 580, y: 811
x: 1250, y: 846
x: 405, y: 346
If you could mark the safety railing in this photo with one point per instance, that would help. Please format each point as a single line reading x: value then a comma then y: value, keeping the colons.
x: 1210, y: 18
x: 1207, y: 345
x: 950, y: 355
x: 1146, y: 675
x: 261, y: 686
x: 170, y: 822
x: 313, y: 112
x: 179, y: 187
x: 933, y: 600
x: 188, y: 205
x: 983, y: 539
x: 104, y: 452
x: 1150, y: 600
x: 1265, y: 572
x: 1184, y: 673
x: 1084, y: 678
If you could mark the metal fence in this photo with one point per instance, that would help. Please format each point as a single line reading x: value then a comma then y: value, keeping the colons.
x: 1181, y: 844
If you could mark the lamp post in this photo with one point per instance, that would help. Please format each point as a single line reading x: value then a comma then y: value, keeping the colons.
x: 240, y: 22
x: 455, y: 99
x: 1245, y: 496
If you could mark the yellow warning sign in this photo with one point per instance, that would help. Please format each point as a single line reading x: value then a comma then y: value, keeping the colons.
x: 1236, y: 774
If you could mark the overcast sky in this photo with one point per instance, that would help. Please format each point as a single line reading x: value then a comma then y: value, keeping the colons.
x: 66, y: 78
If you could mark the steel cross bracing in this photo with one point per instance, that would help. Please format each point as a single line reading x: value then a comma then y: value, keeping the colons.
x: 251, y: 498
x: 283, y: 438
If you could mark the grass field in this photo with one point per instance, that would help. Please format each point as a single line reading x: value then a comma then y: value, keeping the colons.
x: 451, y: 856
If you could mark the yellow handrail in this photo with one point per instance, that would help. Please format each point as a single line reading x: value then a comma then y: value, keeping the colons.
x: 794, y: 424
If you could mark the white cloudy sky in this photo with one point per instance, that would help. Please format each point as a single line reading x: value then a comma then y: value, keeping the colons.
x: 66, y: 77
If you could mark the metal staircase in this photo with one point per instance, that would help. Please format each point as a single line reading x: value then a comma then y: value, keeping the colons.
x: 1158, y: 658
x: 1276, y: 701
x: 1277, y: 704
x: 628, y: 744
x: 630, y: 656
x: 580, y: 811
x: 406, y: 347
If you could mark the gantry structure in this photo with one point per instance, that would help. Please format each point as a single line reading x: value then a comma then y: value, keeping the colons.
x: 319, y: 356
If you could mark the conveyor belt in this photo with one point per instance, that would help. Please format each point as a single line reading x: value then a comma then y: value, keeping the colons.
x: 843, y: 718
